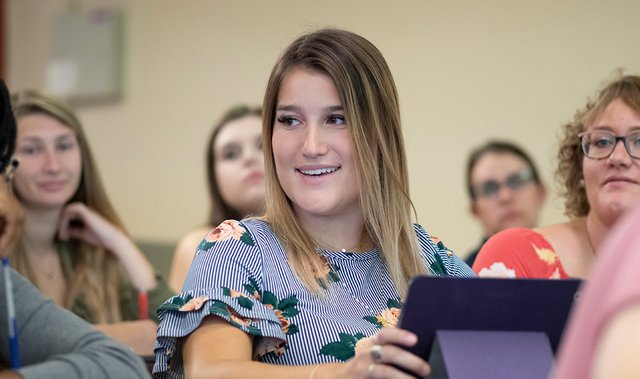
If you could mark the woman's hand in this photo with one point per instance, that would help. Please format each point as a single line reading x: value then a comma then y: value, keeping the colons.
x: 11, y: 219
x: 385, y: 356
x: 80, y: 222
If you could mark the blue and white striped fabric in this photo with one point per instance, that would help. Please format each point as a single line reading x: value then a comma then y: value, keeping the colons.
x: 245, y: 278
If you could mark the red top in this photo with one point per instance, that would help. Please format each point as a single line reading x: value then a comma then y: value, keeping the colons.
x: 519, y: 253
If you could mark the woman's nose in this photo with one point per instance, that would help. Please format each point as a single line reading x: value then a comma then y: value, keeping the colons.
x: 314, y: 144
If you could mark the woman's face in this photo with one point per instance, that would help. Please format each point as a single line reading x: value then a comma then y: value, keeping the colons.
x: 50, y: 162
x: 613, y: 184
x: 312, y: 148
x: 515, y: 205
x: 240, y: 164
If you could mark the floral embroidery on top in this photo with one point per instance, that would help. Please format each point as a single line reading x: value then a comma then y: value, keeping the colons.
x: 344, y: 349
x: 441, y: 246
x: 226, y: 230
x: 193, y: 304
x: 244, y: 300
x: 388, y: 317
x: 349, y: 344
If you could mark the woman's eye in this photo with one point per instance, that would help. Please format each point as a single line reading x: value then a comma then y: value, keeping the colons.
x: 231, y: 153
x: 602, y: 142
x: 29, y: 150
x: 288, y: 121
x: 64, y: 146
x: 336, y: 120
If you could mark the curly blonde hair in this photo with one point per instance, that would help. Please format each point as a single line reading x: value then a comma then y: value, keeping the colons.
x: 570, y: 156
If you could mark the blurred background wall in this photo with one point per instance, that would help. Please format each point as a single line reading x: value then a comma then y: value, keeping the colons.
x: 466, y: 71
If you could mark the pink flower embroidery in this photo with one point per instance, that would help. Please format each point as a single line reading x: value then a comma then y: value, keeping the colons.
x: 194, y: 304
x: 389, y: 317
x: 235, y: 294
x: 325, y: 268
x: 235, y: 317
x: 268, y: 345
x: 227, y: 230
x: 284, y: 322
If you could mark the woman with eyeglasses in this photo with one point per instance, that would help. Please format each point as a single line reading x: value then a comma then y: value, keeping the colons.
x: 599, y: 169
x: 505, y: 190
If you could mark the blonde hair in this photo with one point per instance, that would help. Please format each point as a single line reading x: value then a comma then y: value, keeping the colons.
x: 95, y: 274
x: 370, y: 101
x: 569, y: 173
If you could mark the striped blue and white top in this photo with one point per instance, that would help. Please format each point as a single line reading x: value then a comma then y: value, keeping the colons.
x: 240, y: 273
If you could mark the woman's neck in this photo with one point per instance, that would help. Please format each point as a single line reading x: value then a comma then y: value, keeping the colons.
x: 40, y: 229
x: 596, y: 230
x: 346, y: 234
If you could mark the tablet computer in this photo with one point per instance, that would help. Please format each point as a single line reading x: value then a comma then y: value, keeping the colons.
x: 445, y: 303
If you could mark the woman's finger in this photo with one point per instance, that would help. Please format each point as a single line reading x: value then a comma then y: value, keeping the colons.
x: 391, y: 355
x: 396, y: 336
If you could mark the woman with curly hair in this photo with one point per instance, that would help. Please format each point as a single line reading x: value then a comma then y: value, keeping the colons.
x: 599, y: 169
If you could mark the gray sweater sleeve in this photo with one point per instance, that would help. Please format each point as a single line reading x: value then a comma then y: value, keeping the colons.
x: 55, y: 343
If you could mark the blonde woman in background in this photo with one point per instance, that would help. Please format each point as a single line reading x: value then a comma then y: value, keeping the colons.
x: 74, y: 247
x: 235, y: 178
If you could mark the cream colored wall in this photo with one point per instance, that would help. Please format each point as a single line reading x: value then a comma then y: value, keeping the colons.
x: 466, y: 71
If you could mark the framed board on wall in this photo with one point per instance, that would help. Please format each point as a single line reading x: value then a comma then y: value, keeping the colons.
x: 86, y: 58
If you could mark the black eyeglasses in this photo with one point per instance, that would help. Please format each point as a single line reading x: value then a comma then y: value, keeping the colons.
x: 515, y: 181
x: 599, y: 144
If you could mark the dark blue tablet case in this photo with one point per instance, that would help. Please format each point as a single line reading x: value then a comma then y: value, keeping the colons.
x: 444, y: 303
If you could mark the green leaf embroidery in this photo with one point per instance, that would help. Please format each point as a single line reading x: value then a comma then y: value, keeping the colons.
x: 226, y: 291
x: 206, y: 245
x: 245, y: 302
x: 343, y: 350
x: 252, y: 287
x: 246, y: 238
x: 438, y: 266
x: 288, y: 303
x: 269, y: 298
x: 219, y: 308
x: 333, y: 273
x: 393, y: 303
x: 373, y: 320
x: 293, y: 329
x: 176, y: 303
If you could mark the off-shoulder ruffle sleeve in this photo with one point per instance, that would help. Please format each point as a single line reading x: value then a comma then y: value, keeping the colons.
x: 224, y: 280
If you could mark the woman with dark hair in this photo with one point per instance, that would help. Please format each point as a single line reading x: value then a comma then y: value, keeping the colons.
x: 310, y: 289
x: 505, y: 189
x: 235, y: 178
x: 599, y: 168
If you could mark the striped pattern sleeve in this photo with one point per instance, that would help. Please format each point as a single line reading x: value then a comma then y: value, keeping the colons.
x: 224, y: 280
x: 439, y: 259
